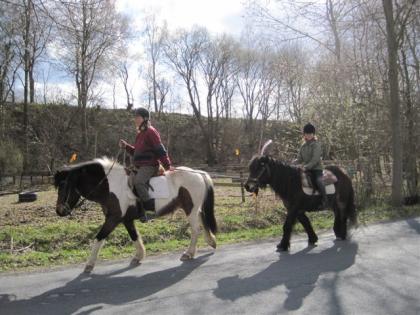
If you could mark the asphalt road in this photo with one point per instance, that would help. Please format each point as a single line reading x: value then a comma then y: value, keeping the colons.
x: 377, y: 272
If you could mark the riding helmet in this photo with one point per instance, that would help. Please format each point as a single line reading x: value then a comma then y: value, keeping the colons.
x: 309, y: 128
x: 143, y: 112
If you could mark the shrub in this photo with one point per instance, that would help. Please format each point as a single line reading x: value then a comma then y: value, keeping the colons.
x: 11, y: 158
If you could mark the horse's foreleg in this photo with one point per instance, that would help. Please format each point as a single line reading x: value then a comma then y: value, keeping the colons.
x: 284, y: 244
x: 312, y: 237
x: 195, y: 231
x: 107, y: 228
x: 137, y: 241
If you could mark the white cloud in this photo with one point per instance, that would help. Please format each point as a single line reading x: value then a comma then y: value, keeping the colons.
x: 218, y: 16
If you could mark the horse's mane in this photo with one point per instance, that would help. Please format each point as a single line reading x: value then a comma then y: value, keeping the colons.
x: 107, y: 163
x: 286, y: 178
x: 104, y: 162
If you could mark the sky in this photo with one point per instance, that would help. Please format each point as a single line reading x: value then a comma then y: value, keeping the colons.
x: 218, y: 16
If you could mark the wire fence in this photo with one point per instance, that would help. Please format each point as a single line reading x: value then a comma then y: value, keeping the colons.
x: 371, y: 180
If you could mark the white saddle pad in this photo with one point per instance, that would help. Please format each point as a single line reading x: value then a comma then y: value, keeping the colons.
x: 330, y: 189
x: 159, y: 187
x: 328, y: 177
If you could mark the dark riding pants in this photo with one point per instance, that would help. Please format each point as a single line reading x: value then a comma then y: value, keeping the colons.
x: 144, y: 173
x: 316, y: 176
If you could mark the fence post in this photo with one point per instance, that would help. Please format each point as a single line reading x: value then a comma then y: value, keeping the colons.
x: 242, y: 186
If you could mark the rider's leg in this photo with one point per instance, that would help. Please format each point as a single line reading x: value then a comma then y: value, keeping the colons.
x: 144, y: 173
x: 321, y: 188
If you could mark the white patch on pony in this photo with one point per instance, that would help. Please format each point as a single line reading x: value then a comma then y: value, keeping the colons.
x: 118, y: 183
x: 95, y: 250
x: 160, y: 188
x: 191, y: 180
x: 140, y: 249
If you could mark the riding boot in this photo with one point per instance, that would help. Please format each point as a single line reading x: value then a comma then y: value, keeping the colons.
x: 323, y: 192
x: 141, y: 212
x: 149, y: 205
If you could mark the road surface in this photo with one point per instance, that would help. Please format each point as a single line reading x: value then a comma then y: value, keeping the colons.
x: 377, y: 272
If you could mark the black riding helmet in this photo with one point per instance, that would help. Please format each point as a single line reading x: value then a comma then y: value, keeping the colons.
x: 143, y: 112
x: 309, y: 128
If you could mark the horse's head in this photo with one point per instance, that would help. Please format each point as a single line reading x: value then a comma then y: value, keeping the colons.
x: 259, y: 173
x: 68, y: 196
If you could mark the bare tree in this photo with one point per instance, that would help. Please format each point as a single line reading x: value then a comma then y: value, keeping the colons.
x: 183, y: 51
x: 155, y: 37
x: 90, y: 31
x: 8, y: 52
x: 9, y: 61
x: 256, y: 85
x: 216, y: 60
x: 122, y: 69
x: 397, y: 149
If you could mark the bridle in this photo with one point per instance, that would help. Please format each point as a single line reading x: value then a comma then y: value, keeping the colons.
x: 66, y: 205
x: 257, y: 180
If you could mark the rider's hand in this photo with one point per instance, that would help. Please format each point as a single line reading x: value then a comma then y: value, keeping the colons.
x: 170, y: 169
x: 123, y: 143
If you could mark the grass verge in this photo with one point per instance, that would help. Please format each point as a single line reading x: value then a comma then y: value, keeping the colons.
x: 52, y: 241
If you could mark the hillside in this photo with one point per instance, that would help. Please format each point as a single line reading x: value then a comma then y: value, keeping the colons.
x: 54, y: 134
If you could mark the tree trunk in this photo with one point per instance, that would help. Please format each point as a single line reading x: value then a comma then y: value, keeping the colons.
x: 410, y: 116
x: 397, y: 148
x: 31, y: 85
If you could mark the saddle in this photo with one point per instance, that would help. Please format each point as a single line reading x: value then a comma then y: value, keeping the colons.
x: 310, y: 188
x: 158, y: 184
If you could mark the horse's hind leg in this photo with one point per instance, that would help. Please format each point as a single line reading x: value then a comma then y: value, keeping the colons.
x: 209, y: 237
x: 195, y: 231
x: 137, y: 241
x: 340, y: 224
x: 312, y: 237
x: 107, y: 228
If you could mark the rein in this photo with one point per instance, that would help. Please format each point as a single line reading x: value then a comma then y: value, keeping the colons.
x: 81, y: 202
x: 256, y: 180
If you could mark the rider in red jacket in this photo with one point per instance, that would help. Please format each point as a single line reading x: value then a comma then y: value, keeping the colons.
x: 147, y: 152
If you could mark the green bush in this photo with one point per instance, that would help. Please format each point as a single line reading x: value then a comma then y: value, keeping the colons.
x: 11, y: 158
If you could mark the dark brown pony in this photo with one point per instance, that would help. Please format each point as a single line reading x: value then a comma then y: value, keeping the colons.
x: 286, y: 182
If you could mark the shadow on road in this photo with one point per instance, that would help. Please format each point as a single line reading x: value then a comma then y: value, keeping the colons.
x: 298, y: 272
x: 414, y: 224
x: 110, y: 288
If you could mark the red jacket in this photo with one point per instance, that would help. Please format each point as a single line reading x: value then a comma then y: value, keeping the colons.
x: 149, y: 150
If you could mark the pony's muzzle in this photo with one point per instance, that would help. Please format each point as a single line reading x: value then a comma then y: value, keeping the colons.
x: 251, y: 186
x: 62, y: 210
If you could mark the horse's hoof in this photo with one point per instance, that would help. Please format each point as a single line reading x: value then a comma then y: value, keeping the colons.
x: 135, y: 262
x: 186, y: 257
x: 88, y: 269
x: 281, y: 248
x: 313, y: 242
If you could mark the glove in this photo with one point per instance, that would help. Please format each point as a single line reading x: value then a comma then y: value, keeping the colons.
x: 170, y: 169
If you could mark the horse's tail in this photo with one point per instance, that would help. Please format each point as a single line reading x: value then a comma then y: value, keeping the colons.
x: 346, y: 192
x: 207, y: 210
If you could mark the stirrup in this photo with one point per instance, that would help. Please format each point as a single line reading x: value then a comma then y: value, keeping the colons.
x: 324, y: 205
